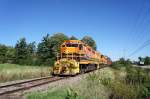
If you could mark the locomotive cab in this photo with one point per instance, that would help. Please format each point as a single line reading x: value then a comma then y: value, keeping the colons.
x: 71, y: 47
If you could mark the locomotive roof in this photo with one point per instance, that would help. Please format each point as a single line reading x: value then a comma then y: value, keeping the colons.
x: 74, y: 41
x: 80, y: 42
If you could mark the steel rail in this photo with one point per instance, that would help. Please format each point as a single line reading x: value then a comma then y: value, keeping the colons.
x: 32, y: 83
x: 36, y: 79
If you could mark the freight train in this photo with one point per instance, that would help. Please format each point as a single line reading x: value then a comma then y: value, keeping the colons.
x: 76, y: 57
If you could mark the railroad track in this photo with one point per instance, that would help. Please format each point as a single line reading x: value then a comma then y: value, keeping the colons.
x: 25, y: 85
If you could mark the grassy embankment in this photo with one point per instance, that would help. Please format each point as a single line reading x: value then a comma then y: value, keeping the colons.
x: 11, y: 72
x: 124, y: 82
x: 88, y: 88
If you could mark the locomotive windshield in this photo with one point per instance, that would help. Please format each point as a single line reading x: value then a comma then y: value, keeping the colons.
x: 71, y: 45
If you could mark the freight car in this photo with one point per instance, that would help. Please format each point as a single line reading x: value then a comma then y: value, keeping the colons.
x: 77, y: 57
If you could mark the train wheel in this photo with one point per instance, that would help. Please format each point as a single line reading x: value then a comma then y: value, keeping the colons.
x: 82, y: 68
x: 81, y: 71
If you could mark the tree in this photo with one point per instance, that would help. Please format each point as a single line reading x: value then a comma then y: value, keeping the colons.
x: 141, y: 59
x: 73, y: 38
x: 7, y: 54
x: 31, y: 54
x: 147, y: 60
x: 128, y: 62
x: 31, y: 48
x: 49, y: 47
x: 21, y: 51
x: 55, y: 41
x: 43, y: 50
x: 10, y: 54
x: 122, y: 61
x: 89, y: 41
x: 3, y: 51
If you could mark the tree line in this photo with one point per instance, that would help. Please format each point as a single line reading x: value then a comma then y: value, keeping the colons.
x: 43, y: 53
x: 146, y: 60
x: 127, y: 62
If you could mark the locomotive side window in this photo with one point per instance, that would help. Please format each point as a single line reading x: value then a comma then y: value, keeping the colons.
x: 68, y: 45
x: 89, y: 49
x: 80, y: 47
x: 63, y: 45
x: 93, y: 52
x: 72, y: 45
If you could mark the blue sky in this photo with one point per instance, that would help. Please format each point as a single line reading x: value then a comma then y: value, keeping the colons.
x: 118, y: 26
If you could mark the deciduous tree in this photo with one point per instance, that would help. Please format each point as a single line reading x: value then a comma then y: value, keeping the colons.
x: 73, y: 38
x: 3, y: 51
x: 21, y: 51
x: 89, y: 41
x: 49, y: 47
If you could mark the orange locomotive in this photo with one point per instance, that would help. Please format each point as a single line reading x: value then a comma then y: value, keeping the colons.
x: 77, y: 57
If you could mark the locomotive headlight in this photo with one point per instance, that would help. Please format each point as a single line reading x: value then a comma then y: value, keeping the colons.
x: 67, y: 51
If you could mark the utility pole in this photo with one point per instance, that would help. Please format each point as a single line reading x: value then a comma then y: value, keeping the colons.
x: 124, y: 53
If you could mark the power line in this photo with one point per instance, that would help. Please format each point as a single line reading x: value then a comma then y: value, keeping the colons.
x: 138, y: 20
x: 146, y: 43
x: 143, y: 24
x: 142, y: 30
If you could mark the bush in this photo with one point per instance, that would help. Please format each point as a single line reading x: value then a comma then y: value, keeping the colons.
x: 139, y: 77
x: 121, y: 90
x: 71, y: 94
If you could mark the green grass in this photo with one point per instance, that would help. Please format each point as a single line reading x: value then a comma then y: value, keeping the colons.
x: 64, y: 93
x: 11, y: 72
x: 108, y: 83
x: 58, y: 94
